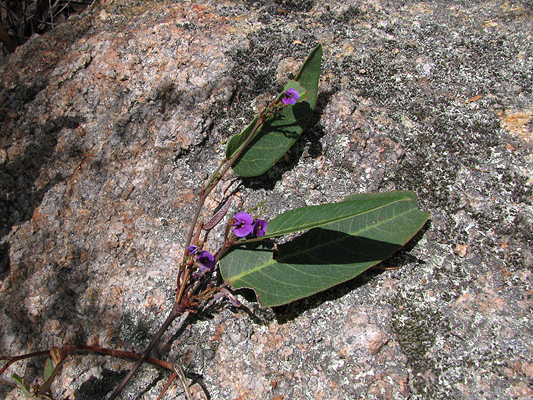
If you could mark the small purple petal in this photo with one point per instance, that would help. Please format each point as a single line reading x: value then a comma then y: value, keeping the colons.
x: 243, y: 217
x: 206, y: 261
x: 243, y: 224
x: 291, y: 96
x: 192, y: 249
x: 260, y: 227
x: 243, y: 231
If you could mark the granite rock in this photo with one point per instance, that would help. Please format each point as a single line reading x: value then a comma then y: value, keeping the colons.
x: 112, y: 121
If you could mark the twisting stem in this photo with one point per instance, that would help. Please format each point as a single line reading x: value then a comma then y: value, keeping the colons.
x: 201, y: 201
x: 217, y: 176
x: 184, y: 273
x: 174, y: 313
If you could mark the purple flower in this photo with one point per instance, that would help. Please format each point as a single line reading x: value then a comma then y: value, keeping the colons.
x: 243, y: 224
x: 192, y: 249
x: 291, y: 96
x: 260, y: 227
x: 205, y: 261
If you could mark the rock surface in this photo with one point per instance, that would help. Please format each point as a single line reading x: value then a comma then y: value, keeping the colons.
x: 111, y: 122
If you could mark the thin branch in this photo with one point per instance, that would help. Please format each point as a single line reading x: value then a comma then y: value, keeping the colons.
x: 184, y: 382
x: 12, y: 359
x: 170, y: 380
x: 174, y: 313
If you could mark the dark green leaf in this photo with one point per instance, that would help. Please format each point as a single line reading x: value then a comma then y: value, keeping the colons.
x: 304, y: 218
x: 340, y: 246
x: 280, y: 131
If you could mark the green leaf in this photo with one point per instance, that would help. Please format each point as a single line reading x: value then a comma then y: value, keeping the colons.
x: 279, y: 132
x: 304, y: 218
x: 341, y: 245
x: 49, y: 367
x: 20, y: 383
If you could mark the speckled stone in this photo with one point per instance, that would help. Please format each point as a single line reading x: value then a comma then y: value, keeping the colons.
x: 111, y: 122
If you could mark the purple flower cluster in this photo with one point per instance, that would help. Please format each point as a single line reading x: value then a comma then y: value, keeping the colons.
x: 205, y: 261
x: 245, y: 224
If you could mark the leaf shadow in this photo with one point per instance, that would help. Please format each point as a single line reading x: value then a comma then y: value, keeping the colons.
x: 342, y: 248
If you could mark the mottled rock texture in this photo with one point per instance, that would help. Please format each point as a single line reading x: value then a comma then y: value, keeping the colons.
x: 111, y: 122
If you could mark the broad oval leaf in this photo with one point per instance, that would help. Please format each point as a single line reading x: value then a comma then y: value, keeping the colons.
x: 279, y: 132
x: 329, y: 253
x: 304, y: 218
